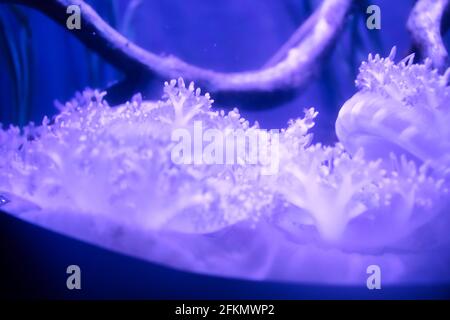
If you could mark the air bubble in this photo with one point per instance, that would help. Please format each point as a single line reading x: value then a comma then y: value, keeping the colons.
x: 3, y: 200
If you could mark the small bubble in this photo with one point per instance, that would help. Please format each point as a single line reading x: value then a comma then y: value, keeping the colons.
x: 3, y: 200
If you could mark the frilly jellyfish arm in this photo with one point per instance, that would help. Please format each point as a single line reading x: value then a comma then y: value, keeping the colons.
x: 425, y: 24
x: 293, y: 70
x: 394, y: 110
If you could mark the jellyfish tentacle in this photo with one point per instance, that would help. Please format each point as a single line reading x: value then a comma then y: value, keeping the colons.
x: 402, y: 108
x: 294, y: 70
x: 425, y: 24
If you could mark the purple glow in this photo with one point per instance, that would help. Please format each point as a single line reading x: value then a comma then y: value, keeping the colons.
x: 380, y: 196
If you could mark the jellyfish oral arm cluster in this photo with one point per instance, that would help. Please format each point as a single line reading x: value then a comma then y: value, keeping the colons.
x: 379, y: 196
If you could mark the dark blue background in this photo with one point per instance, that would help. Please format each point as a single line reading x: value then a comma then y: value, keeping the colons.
x: 35, y: 261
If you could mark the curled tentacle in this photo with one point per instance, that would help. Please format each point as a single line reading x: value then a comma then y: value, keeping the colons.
x: 400, y: 107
